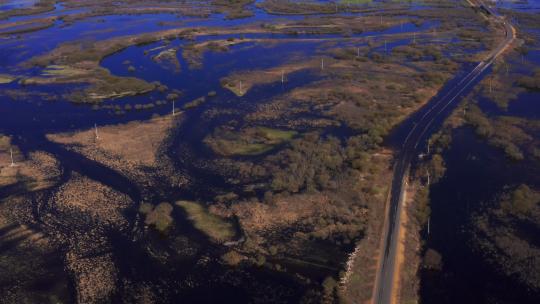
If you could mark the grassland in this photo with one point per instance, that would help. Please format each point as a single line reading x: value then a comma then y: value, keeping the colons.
x: 215, y: 227
x: 26, y: 26
x: 6, y: 79
x: 288, y: 7
x: 242, y: 81
x: 135, y: 143
x: 41, y: 6
x: 250, y: 141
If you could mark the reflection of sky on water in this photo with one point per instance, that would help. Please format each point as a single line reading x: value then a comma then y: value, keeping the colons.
x: 15, y: 4
x: 519, y: 5
x: 15, y: 50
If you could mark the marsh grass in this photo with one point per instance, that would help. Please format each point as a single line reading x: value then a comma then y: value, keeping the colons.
x: 251, y: 141
x: 4, y: 79
x: 215, y: 227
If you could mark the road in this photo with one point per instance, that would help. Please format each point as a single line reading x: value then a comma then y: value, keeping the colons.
x: 420, y: 130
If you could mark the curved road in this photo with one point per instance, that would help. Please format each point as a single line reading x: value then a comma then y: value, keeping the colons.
x: 433, y: 115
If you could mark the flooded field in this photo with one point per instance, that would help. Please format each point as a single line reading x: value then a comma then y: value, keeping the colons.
x: 219, y: 152
x: 469, y: 231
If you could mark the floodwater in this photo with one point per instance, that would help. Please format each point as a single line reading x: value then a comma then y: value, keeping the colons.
x: 30, y: 119
x: 16, y: 4
x: 475, y: 173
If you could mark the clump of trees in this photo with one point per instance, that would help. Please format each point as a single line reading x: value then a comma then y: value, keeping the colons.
x: 422, y: 210
x: 310, y: 164
x: 417, y: 53
x: 314, y: 163
x: 505, y: 234
x: 506, y: 133
x: 530, y: 82
x: 521, y: 203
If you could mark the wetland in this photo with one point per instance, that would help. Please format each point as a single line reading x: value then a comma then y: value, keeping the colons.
x: 241, y: 151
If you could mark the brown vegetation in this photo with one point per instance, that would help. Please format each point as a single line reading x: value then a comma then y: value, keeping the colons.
x: 37, y: 171
x: 241, y: 82
x: 135, y: 143
x: 503, y: 238
x: 89, y: 207
x: 511, y: 134
x: 12, y: 28
x: 41, y: 6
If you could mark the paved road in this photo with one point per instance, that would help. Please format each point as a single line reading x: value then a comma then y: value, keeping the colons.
x: 422, y: 127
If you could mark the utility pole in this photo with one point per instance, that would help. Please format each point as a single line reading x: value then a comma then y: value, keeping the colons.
x: 428, y: 144
x: 322, y: 64
x: 428, y: 220
x: 282, y: 76
x: 12, y: 161
x: 428, y: 177
x: 241, y: 87
x: 173, y: 108
x: 96, y: 131
x: 358, y: 52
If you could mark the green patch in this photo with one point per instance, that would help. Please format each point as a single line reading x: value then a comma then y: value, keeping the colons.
x: 251, y: 141
x: 215, y: 227
x: 158, y: 217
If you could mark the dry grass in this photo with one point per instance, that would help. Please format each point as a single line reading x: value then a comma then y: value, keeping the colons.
x: 81, y: 194
x: 215, y: 227
x: 241, y: 82
x: 135, y: 142
x: 261, y: 217
x: 39, y: 171
x: 6, y: 78
x: 168, y: 59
